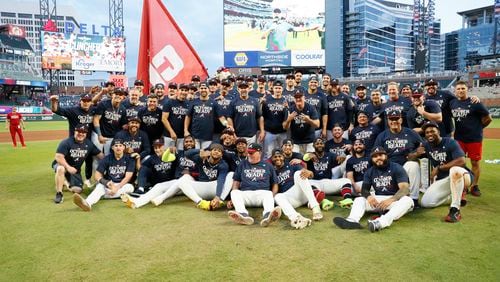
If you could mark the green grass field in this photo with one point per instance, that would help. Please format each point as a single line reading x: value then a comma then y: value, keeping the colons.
x: 42, y: 126
x: 176, y: 241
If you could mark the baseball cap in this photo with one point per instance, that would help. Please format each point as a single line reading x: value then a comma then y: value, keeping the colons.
x: 82, y: 128
x: 225, y: 82
x: 193, y: 87
x: 290, y: 76
x: 406, y: 85
x: 430, y: 81
x: 212, y: 81
x: 287, y: 142
x: 318, y: 139
x: 204, y: 83
x: 298, y: 94
x: 138, y: 82
x: 394, y: 114
x: 276, y: 151
x: 261, y: 78
x: 134, y: 118
x: 272, y: 78
x: 278, y: 83
x: 231, y: 78
x: 195, y: 78
x: 183, y: 86
x: 158, y: 142
x: 117, y: 141
x: 228, y: 131
x: 360, y: 86
x: 86, y: 97
x: 428, y: 124
x: 378, y: 150
x: 249, y: 78
x: 172, y: 85
x: 121, y: 91
x: 241, y: 140
x: 313, y: 78
x: 362, y: 113
x: 159, y: 86
x: 417, y: 93
x: 242, y: 84
x: 240, y: 77
x: 216, y: 146
x: 254, y: 147
x: 334, y: 81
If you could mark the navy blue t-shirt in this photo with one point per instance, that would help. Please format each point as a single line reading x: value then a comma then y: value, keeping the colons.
x: 402, y: 105
x: 111, y: 119
x: 184, y: 165
x: 467, y: 118
x: 274, y: 111
x: 322, y: 168
x: 245, y: 114
x: 256, y: 95
x: 114, y: 169
x: 443, y: 99
x: 358, y: 166
x: 223, y: 109
x: 368, y: 134
x: 446, y: 151
x: 340, y: 108
x: 233, y: 159
x: 76, y: 115
x: 177, y: 111
x: 337, y: 148
x: 209, y: 172
x: 139, y: 142
x: 302, y: 132
x: 75, y: 153
x: 151, y: 123
x: 285, y: 176
x: 203, y: 114
x: 361, y: 105
x: 415, y: 119
x: 259, y: 176
x: 399, y: 145
x: 153, y: 171
x: 320, y: 104
x: 385, y: 180
x: 132, y: 110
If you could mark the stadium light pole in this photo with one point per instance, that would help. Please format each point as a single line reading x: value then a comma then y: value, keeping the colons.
x: 48, y: 11
x: 116, y: 27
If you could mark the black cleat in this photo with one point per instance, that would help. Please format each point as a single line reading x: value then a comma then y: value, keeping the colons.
x: 59, y: 198
x: 474, y: 191
x: 346, y: 224
x: 453, y: 216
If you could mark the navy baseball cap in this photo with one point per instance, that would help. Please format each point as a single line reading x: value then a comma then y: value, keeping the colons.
x: 193, y: 87
x: 360, y: 86
x: 287, y: 142
x: 261, y: 78
x: 240, y: 77
x: 231, y: 78
x: 406, y: 86
x: 159, y: 86
x: 120, y: 91
x: 229, y: 131
x: 216, y: 146
x: 276, y: 151
x: 86, y: 97
x: 212, y: 81
x: 358, y: 141
x: 158, y: 142
x: 249, y: 78
x: 109, y: 83
x: 138, y: 82
x: 430, y: 81
x: 394, y: 114
x: 313, y: 78
x: 378, y: 150
x: 254, y: 147
x: 428, y: 124
x: 183, y: 86
x: 417, y: 93
x: 225, y: 82
x: 242, y: 84
x: 272, y: 78
x: 117, y: 141
x: 298, y: 94
x: 82, y: 128
x: 278, y: 83
x: 362, y: 113
x: 172, y: 85
x: 195, y: 78
x: 318, y: 139
x: 133, y: 118
x: 334, y: 81
x: 290, y: 76
x: 241, y: 140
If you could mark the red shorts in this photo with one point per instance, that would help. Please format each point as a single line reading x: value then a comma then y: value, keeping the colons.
x: 472, y: 150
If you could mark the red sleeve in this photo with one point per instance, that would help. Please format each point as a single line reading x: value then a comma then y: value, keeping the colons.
x: 8, y: 116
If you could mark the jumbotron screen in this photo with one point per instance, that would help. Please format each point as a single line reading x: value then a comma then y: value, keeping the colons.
x: 262, y: 33
x: 69, y: 51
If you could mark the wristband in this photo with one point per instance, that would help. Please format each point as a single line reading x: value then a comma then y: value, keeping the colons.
x: 98, y: 130
x: 104, y: 181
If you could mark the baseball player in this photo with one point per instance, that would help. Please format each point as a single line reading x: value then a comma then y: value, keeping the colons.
x: 174, y: 114
x: 401, y: 144
x: 70, y: 155
x: 325, y: 83
x: 395, y: 103
x: 154, y: 173
x: 291, y: 157
x: 261, y: 92
x: 77, y: 115
x: 113, y: 175
x: 172, y: 91
x: 361, y: 101
x: 289, y: 88
x: 254, y: 184
x: 319, y: 102
x: 133, y: 105
x: 104, y: 93
x: 448, y: 169
x: 341, y: 147
x: 340, y: 109
x: 135, y: 140
x: 223, y: 101
x: 470, y: 119
x: 246, y: 116
x: 214, y: 181
x: 15, y: 123
x: 159, y: 92
x: 356, y: 168
x: 108, y: 120
x: 406, y: 91
x: 364, y: 131
x: 294, y: 191
x: 374, y: 109
x: 443, y: 99
x: 390, y: 183
x: 234, y: 157
x: 274, y: 112
x: 150, y: 118
x: 302, y: 120
x: 422, y: 110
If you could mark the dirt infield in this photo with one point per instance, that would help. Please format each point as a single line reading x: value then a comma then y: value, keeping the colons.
x: 490, y: 133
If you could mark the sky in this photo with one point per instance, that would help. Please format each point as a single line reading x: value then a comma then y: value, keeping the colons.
x: 201, y: 22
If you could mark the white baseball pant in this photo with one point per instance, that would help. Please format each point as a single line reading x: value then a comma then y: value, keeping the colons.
x: 272, y: 141
x: 298, y: 195
x: 339, y: 171
x: 203, y: 190
x: 169, y: 142
x: 253, y: 198
x: 396, y: 210
x: 440, y: 191
x: 330, y: 186
x: 202, y: 144
x: 413, y: 170
x: 156, y: 191
x: 101, y: 191
x: 303, y: 148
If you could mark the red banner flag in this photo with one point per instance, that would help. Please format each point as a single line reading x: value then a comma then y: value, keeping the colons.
x: 165, y: 54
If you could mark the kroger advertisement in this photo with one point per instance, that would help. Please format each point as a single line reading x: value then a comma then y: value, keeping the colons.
x: 70, y: 51
x: 263, y: 33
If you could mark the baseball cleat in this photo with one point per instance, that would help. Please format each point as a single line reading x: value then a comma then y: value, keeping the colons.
x: 59, y: 198
x: 327, y: 205
x: 81, y: 202
x: 204, y: 205
x: 300, y: 222
x: 124, y: 197
x: 474, y: 191
x: 453, y: 216
x: 240, y: 218
x: 129, y: 201
x: 317, y: 215
x: 346, y: 203
x: 346, y: 224
x: 463, y: 200
x: 374, y: 225
x: 88, y: 183
x: 271, y: 217
x: 156, y: 202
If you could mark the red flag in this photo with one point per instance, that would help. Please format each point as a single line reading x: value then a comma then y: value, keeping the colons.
x: 50, y: 26
x: 165, y: 54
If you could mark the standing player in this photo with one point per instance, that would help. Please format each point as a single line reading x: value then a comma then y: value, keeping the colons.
x: 340, y: 111
x: 274, y: 112
x: 365, y: 131
x: 451, y: 176
x: 294, y: 191
x: 395, y: 103
x: 70, y: 155
x: 150, y: 118
x: 422, y: 110
x: 254, y: 184
x: 289, y: 88
x: 113, y: 174
x: 319, y: 102
x: 223, y: 101
x: 362, y: 100
x: 15, y: 123
x: 470, y: 119
x: 174, y: 114
x: 133, y: 105
x: 260, y: 93
x: 390, y: 183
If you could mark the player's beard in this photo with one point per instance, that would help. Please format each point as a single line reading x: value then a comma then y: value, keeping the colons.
x: 384, y: 164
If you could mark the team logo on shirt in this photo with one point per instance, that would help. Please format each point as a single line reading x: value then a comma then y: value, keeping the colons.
x: 460, y: 113
x: 313, y: 101
x: 320, y: 166
x: 339, y: 151
x: 283, y: 176
x: 363, y: 135
x: 438, y: 156
x: 245, y: 109
x: 132, y: 112
x: 396, y: 144
x: 360, y: 167
x: 86, y: 119
x: 149, y: 120
x: 179, y: 111
x: 135, y: 145
x: 335, y: 104
x: 383, y: 182
x: 117, y: 170
x: 254, y: 173
x: 276, y: 108
x: 112, y: 116
x: 211, y: 173
x: 202, y: 110
x: 187, y: 163
x: 162, y: 167
x: 419, y: 119
x: 77, y: 153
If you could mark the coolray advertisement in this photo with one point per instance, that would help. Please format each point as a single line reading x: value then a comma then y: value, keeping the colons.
x: 274, y: 33
x: 70, y: 51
